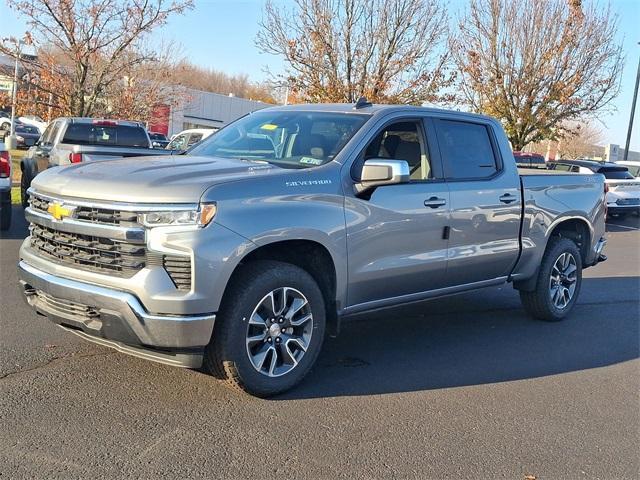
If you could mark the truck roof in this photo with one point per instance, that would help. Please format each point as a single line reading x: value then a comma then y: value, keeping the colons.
x: 128, y: 123
x: 370, y: 108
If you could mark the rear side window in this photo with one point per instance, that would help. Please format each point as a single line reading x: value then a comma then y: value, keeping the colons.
x: 110, y: 135
x: 615, y: 174
x: 466, y: 149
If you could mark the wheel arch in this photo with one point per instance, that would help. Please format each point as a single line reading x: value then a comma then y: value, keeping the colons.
x: 575, y: 228
x: 311, y: 256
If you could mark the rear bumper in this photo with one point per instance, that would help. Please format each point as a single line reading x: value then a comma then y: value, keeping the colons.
x: 616, y: 209
x: 116, y: 319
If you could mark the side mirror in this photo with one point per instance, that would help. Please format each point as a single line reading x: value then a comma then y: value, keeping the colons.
x: 379, y: 171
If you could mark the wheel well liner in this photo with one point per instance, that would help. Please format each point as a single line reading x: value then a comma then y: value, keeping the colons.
x: 576, y: 230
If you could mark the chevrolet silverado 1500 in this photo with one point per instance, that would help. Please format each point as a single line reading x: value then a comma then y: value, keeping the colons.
x: 241, y: 255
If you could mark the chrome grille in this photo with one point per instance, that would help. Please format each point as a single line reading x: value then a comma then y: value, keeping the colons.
x: 67, y: 306
x: 179, y: 269
x: 88, y: 252
x: 91, y: 214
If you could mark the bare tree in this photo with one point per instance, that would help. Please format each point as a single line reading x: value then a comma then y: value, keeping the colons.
x: 92, y: 46
x: 338, y: 50
x: 211, y: 80
x: 537, y: 65
x: 583, y: 142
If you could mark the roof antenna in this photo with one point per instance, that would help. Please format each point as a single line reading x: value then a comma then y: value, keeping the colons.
x: 362, y: 103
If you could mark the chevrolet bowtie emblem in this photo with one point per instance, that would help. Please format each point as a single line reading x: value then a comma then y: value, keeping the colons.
x: 59, y: 211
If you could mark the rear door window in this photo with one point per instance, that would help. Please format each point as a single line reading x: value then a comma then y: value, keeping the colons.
x: 466, y: 149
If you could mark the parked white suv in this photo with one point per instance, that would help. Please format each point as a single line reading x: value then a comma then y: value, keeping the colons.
x: 188, y: 138
x: 623, y: 189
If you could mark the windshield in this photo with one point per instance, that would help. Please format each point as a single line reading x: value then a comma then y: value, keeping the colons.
x: 27, y: 129
x: 285, y: 138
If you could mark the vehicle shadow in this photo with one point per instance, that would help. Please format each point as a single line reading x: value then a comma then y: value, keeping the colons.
x: 19, y: 227
x: 629, y: 223
x: 458, y: 341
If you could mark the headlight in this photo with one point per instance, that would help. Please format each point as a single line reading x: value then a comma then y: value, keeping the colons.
x: 19, y: 138
x: 200, y: 217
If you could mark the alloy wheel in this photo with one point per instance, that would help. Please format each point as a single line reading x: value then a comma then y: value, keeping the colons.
x: 279, y: 331
x: 562, y: 282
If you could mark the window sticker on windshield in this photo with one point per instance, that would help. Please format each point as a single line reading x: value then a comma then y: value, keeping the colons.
x: 269, y: 126
x: 311, y: 161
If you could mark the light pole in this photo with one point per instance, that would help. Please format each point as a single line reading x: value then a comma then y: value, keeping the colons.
x: 633, y: 110
x: 14, y: 94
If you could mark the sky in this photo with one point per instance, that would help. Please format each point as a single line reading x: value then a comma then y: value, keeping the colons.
x: 221, y: 34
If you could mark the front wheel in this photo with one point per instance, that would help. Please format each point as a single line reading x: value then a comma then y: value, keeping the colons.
x: 269, y: 330
x: 558, y: 284
x: 25, y: 183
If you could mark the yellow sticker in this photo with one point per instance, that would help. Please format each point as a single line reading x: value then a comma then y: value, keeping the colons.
x: 269, y: 126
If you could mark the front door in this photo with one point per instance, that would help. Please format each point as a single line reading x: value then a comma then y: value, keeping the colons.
x: 396, y: 237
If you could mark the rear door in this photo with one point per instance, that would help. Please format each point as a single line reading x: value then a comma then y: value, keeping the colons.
x: 396, y: 235
x: 485, y: 202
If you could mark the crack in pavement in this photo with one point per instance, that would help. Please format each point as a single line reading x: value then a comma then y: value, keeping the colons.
x: 51, y: 361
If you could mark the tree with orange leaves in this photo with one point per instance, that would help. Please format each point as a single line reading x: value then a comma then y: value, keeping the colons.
x: 92, y: 60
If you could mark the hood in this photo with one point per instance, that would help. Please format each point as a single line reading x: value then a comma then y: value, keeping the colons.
x: 154, y: 179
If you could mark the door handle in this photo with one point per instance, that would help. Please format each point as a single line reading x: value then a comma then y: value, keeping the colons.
x: 508, y: 198
x: 434, y: 202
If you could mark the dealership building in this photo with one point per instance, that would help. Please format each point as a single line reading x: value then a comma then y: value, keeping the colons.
x: 201, y: 110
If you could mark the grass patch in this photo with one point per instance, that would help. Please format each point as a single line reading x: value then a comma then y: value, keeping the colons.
x: 15, y: 195
x: 16, y: 156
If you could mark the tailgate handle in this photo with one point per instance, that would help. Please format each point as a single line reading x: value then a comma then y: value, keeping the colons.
x: 434, y: 202
x: 508, y: 198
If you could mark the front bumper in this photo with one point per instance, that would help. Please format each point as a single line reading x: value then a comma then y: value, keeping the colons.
x: 116, y: 319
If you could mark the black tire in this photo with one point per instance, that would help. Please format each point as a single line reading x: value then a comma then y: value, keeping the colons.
x: 25, y: 183
x: 538, y: 303
x: 5, y: 215
x: 226, y: 356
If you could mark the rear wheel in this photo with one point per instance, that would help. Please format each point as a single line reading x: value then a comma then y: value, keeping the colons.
x: 558, y: 284
x: 269, y: 330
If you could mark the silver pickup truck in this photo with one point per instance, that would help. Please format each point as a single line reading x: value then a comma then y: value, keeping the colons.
x: 240, y: 256
x: 70, y: 140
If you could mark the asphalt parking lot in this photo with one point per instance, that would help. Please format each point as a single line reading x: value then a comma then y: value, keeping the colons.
x: 464, y: 387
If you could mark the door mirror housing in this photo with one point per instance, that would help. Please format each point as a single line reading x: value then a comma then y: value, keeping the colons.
x: 377, y: 172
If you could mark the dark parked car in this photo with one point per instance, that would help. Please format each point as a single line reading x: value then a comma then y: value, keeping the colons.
x: 26, y: 135
x: 158, y: 140
x: 529, y: 160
